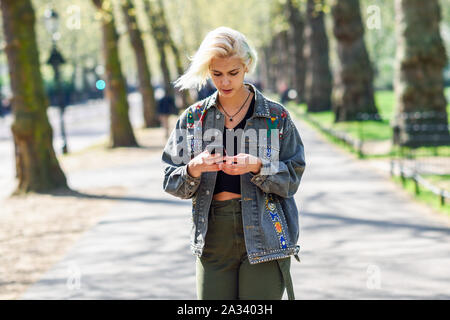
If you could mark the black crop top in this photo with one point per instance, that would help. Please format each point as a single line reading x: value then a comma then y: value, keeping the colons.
x: 226, y: 182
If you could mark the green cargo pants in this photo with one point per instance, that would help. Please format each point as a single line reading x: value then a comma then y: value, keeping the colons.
x: 224, y: 272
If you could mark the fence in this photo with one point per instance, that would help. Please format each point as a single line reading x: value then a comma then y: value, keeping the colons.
x: 427, y: 166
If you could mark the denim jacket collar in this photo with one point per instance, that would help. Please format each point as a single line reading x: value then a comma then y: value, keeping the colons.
x: 261, y: 107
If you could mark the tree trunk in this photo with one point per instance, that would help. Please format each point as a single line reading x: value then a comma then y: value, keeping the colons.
x: 318, y: 81
x: 156, y: 24
x: 185, y: 96
x: 419, y: 86
x: 121, y: 131
x: 145, y: 84
x: 353, y: 85
x: 297, y: 42
x: 279, y: 62
x: 37, y: 167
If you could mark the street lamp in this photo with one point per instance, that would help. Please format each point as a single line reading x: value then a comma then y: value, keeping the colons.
x: 55, y: 60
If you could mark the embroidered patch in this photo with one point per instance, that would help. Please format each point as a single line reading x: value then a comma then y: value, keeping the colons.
x: 271, y: 209
x: 190, y: 119
x: 278, y: 227
x: 268, y: 151
x: 283, y: 242
x: 203, y: 115
x: 272, y: 123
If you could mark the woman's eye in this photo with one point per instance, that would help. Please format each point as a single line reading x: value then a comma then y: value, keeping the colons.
x: 233, y: 74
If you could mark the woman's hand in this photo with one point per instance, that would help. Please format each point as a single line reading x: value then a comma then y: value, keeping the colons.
x: 240, y: 164
x: 204, y: 162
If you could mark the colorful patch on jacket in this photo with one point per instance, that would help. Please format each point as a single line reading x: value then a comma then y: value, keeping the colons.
x: 271, y: 209
x: 268, y: 151
x: 203, y: 115
x: 272, y: 123
x: 190, y: 119
x: 196, y: 112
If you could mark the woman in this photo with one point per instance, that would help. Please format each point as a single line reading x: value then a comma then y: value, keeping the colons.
x: 245, y: 220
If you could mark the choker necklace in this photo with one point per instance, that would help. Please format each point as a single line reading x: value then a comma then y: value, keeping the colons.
x: 231, y: 117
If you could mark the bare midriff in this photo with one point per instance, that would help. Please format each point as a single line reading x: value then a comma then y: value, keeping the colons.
x: 225, y: 195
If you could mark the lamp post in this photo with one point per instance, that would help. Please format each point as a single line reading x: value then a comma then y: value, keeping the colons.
x: 55, y: 60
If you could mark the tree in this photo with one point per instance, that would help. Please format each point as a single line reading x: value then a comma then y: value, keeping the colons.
x: 144, y: 74
x: 185, y: 96
x: 121, y: 131
x: 419, y: 86
x: 37, y: 167
x: 353, y: 81
x: 296, y: 30
x: 157, y: 26
x: 318, y: 80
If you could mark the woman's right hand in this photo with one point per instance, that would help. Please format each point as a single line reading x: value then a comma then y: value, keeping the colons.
x: 204, y: 162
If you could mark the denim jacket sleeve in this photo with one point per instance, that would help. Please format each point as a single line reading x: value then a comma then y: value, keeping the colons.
x: 285, y: 180
x: 177, y: 181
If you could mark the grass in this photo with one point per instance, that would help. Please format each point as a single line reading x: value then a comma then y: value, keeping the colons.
x: 370, y: 130
x: 425, y: 196
x: 382, y: 131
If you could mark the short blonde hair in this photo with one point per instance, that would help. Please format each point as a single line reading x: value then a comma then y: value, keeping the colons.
x: 222, y: 42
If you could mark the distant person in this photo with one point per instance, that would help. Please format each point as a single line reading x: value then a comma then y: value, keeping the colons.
x: 245, y: 219
x: 258, y: 85
x: 166, y: 106
x: 207, y: 90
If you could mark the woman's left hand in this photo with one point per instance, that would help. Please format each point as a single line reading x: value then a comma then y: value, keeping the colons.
x: 240, y: 164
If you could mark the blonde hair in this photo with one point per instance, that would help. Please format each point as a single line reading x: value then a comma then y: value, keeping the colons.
x: 222, y: 42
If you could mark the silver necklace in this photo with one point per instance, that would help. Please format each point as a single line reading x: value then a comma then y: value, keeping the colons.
x: 231, y: 117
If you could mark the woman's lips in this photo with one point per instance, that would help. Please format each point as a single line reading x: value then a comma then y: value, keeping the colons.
x: 227, y: 91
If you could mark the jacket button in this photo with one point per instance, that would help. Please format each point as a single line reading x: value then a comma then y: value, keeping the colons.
x: 218, y: 116
x: 207, y: 191
x: 192, y: 183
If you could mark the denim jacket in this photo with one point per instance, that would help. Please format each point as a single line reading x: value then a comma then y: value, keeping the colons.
x: 269, y: 212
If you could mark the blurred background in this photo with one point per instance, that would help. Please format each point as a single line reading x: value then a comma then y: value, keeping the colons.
x: 86, y: 91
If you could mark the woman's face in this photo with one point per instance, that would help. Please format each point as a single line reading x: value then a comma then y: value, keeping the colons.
x: 227, y: 74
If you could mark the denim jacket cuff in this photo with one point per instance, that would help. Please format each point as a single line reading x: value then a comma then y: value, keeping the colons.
x: 267, y: 169
x: 261, y: 176
x: 257, y: 179
x: 192, y: 182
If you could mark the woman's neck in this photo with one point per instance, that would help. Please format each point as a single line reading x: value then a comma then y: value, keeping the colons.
x: 236, y: 101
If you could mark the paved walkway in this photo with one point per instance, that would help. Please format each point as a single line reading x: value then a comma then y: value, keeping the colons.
x: 361, y: 238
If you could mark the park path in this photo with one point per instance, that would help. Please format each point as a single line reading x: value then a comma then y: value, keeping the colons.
x: 361, y: 237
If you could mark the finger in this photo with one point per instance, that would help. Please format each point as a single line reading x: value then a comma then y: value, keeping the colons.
x: 214, y: 167
x: 218, y: 157
x: 229, y: 159
x: 215, y: 160
x: 235, y: 165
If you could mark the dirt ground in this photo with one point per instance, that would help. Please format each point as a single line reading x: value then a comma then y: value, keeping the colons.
x: 36, y: 230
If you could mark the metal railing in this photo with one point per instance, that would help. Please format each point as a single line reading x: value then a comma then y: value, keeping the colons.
x: 426, y: 154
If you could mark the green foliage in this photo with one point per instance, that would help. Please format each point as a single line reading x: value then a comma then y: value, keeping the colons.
x: 424, y: 195
x: 371, y: 130
x: 80, y: 34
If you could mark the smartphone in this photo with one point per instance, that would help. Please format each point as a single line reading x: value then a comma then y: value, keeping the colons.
x: 213, y: 149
